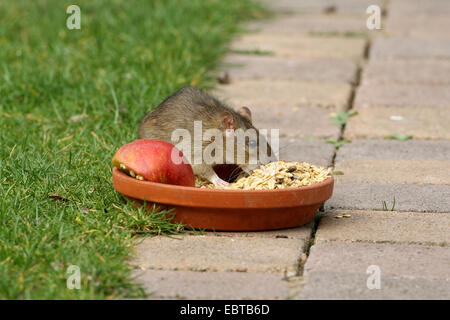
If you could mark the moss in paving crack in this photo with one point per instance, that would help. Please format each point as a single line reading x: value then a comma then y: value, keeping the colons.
x: 256, y: 52
x: 399, y: 137
x: 340, y: 118
x: 345, y: 34
x: 337, y: 143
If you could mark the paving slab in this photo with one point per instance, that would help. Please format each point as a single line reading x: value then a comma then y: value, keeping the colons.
x: 295, y: 121
x: 211, y: 253
x: 396, y: 171
x: 411, y: 8
x: 357, y: 7
x: 333, y: 96
x: 162, y: 284
x: 314, y: 151
x: 419, y: 25
x: 302, y: 46
x: 254, y: 67
x: 401, y: 95
x: 400, y: 47
x: 408, y: 197
x: 302, y: 233
x: 338, y: 270
x: 378, y: 122
x: 377, y: 170
x: 392, y: 149
x: 308, y: 6
x: 396, y: 260
x: 314, y: 24
x: 346, y: 286
x: 416, y: 72
x: 385, y: 227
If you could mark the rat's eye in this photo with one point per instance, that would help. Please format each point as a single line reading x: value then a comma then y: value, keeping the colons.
x: 252, y: 143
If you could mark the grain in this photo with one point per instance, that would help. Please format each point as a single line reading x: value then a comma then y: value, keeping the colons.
x: 275, y: 175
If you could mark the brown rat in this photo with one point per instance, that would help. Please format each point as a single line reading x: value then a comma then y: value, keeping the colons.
x: 189, y: 105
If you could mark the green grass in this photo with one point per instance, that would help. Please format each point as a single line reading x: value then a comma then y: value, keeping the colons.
x: 68, y: 100
x: 384, y: 205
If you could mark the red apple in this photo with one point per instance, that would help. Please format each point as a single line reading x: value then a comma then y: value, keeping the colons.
x: 156, y: 161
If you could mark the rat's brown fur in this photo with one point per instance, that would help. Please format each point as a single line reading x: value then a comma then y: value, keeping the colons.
x: 189, y: 104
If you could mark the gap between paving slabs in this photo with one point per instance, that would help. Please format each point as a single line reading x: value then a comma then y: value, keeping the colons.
x: 321, y: 212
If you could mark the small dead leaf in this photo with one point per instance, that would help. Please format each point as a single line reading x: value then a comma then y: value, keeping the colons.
x: 66, y: 138
x: 77, y: 118
x: 343, y: 215
x: 57, y: 197
x: 330, y: 9
x: 33, y: 117
x: 224, y: 78
x: 123, y: 109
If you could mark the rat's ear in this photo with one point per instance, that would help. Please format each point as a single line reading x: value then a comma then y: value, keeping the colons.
x: 245, y: 113
x: 228, y: 121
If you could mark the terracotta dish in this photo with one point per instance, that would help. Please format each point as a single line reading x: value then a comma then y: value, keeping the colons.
x: 229, y: 210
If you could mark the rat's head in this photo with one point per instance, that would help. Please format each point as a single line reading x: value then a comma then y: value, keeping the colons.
x: 249, y: 149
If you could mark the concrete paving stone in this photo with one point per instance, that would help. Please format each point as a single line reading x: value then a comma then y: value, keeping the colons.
x: 349, y: 286
x: 162, y: 284
x: 398, y: 171
x: 295, y: 121
x: 302, y: 46
x: 399, y: 47
x: 419, y: 25
x: 314, y: 151
x: 395, y: 260
x: 408, y: 197
x: 417, y: 72
x: 357, y: 7
x: 385, y: 226
x: 377, y: 122
x: 411, y: 8
x: 338, y: 270
x: 392, y: 149
x: 314, y: 24
x: 211, y: 253
x: 245, y: 67
x: 377, y: 170
x: 300, y: 233
x: 401, y: 95
x: 309, y: 6
x: 333, y: 96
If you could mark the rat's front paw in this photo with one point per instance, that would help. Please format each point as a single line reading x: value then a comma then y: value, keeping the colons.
x: 218, y: 182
